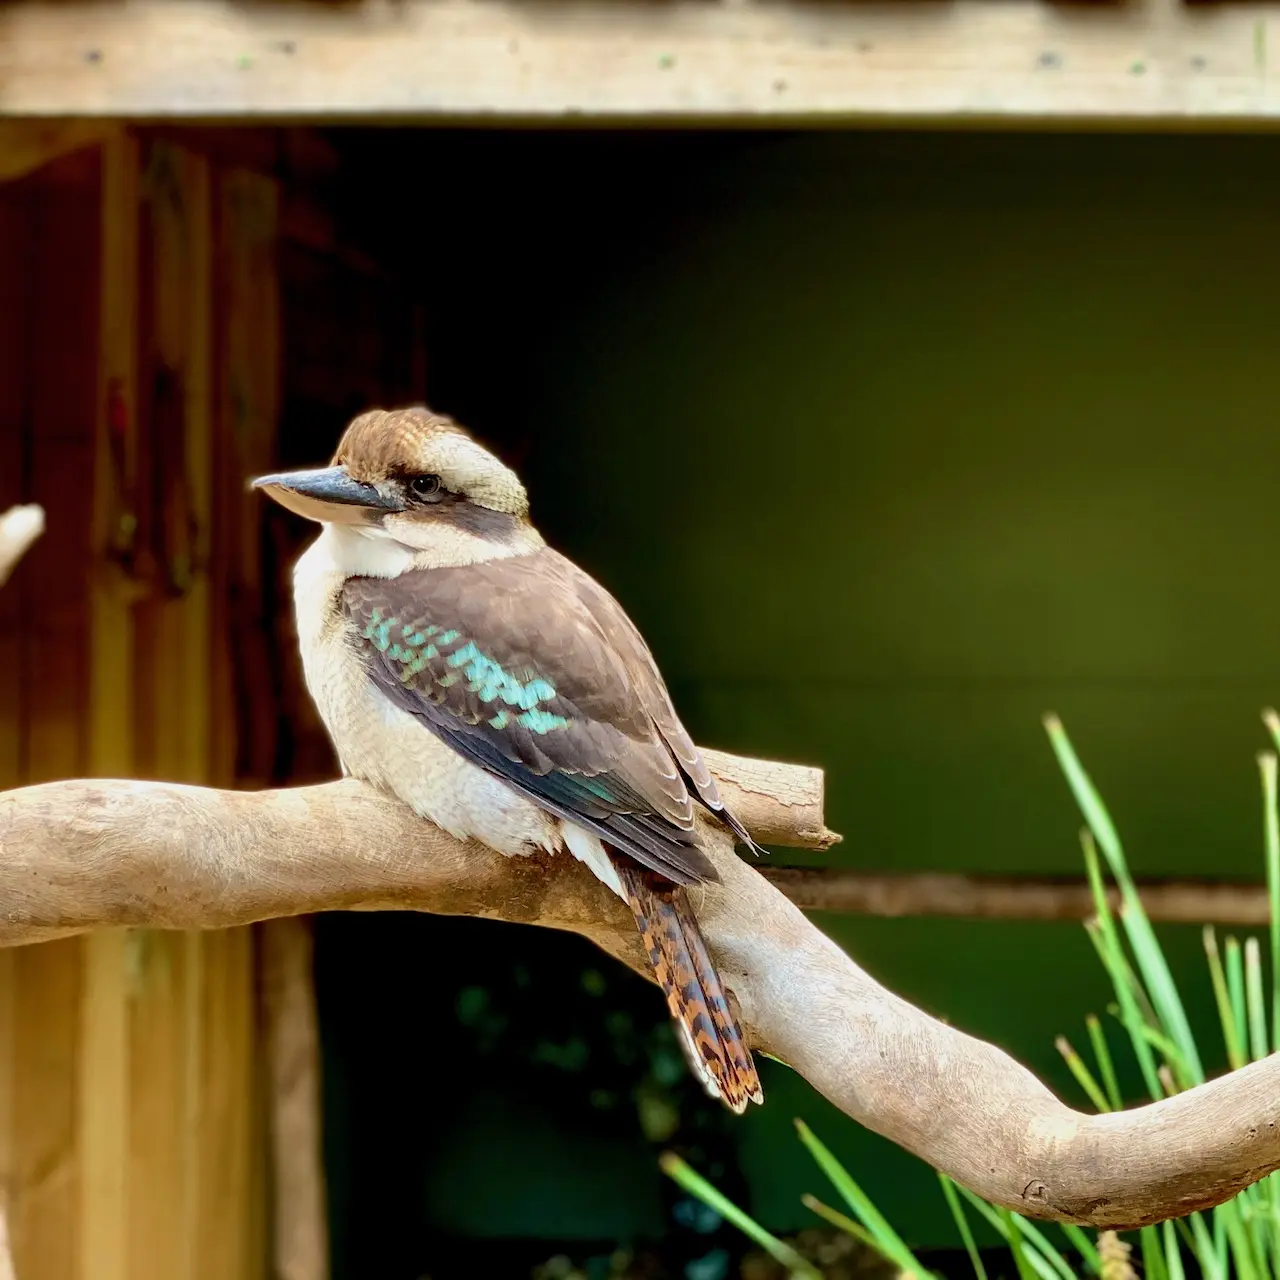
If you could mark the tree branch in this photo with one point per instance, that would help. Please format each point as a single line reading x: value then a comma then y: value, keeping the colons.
x: 82, y: 855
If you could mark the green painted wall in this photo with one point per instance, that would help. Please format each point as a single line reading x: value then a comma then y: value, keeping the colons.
x: 890, y: 444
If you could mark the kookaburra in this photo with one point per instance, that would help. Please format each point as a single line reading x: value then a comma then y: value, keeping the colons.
x: 461, y: 664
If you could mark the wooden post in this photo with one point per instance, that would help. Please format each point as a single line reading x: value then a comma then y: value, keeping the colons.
x: 300, y: 1237
x: 19, y: 528
x: 104, y: 1084
x: 249, y: 321
x: 59, y: 319
x: 130, y: 1128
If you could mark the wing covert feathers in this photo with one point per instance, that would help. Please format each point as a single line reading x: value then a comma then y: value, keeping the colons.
x: 532, y: 671
x: 709, y: 1032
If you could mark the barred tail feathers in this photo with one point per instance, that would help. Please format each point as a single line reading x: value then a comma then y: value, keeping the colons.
x: 709, y: 1033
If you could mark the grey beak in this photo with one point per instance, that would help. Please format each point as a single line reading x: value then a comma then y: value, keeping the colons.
x: 328, y: 486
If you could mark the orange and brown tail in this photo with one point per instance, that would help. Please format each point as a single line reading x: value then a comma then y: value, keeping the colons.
x: 709, y: 1033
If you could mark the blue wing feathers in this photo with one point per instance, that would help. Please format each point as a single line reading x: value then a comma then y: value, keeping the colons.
x: 523, y: 670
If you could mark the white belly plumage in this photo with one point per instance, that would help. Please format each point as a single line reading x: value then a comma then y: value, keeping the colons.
x: 388, y: 747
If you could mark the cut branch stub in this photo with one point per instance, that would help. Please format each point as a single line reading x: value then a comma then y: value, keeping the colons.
x: 19, y: 528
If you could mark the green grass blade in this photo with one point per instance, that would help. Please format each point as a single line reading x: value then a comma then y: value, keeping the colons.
x: 1247, y: 1265
x: 1153, y: 1260
x: 1147, y: 952
x: 1235, y: 988
x: 1151, y: 963
x: 1084, y: 1077
x: 1094, y: 930
x: 1036, y: 1251
x: 1179, y: 1072
x: 1183, y: 1228
x: 1172, y: 1252
x: 1043, y: 1246
x: 1085, y: 1247
x: 1267, y: 769
x: 1021, y: 1260
x: 888, y: 1241
x: 1271, y: 1194
x: 962, y: 1225
x: 1206, y: 1253
x: 1255, y: 1000
x: 1112, y: 956
x: 1271, y: 829
x: 696, y: 1185
x: 1255, y: 1202
x: 1226, y: 1014
x: 1087, y: 799
x: 844, y: 1223
x: 1106, y: 1067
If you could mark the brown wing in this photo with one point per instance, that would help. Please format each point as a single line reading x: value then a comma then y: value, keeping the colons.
x: 530, y: 669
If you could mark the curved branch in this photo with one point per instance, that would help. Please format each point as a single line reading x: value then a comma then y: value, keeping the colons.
x: 81, y: 855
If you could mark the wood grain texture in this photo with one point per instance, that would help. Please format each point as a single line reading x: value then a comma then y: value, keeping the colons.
x: 246, y: 343
x: 300, y: 1238
x: 57, y: 369
x: 130, y: 1132
x: 82, y: 855
x: 8, y: 996
x: 231, y: 1197
x: 194, y: 1129
x: 983, y: 61
x: 45, y: 1224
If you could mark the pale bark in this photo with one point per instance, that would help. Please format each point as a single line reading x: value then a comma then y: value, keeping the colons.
x: 82, y: 855
x: 19, y: 528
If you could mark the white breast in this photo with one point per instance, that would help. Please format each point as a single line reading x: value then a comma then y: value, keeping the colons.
x: 386, y: 746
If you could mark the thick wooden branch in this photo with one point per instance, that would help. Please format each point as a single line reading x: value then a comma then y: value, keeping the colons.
x: 82, y: 855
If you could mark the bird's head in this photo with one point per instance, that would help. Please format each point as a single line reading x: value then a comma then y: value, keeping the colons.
x: 408, y: 474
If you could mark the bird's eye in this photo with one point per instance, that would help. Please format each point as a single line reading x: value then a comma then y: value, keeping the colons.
x: 424, y: 486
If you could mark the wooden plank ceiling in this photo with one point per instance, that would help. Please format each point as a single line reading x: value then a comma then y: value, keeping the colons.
x: 1152, y: 62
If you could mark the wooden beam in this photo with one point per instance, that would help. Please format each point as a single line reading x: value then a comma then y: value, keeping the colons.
x: 1013, y: 898
x: 1152, y: 62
